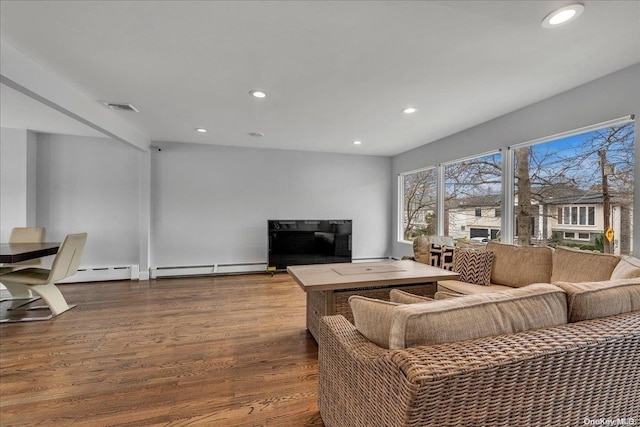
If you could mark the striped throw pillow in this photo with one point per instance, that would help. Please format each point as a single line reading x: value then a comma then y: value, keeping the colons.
x: 474, y: 266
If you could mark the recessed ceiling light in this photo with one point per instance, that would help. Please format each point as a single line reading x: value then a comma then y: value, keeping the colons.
x: 258, y: 94
x: 562, y: 15
x: 409, y: 110
x: 357, y: 142
x: 201, y: 130
x: 256, y: 134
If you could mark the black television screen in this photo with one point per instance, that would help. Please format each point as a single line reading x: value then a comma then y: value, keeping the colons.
x: 299, y: 242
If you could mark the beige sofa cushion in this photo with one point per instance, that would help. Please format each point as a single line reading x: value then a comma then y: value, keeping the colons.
x: 627, y: 268
x: 572, y: 265
x: 518, y: 266
x: 475, y: 316
x: 402, y: 297
x: 464, y: 288
x: 593, y: 300
x: 372, y: 318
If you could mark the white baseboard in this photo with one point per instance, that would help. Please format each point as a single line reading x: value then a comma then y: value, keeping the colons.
x: 206, y: 270
x: 100, y: 274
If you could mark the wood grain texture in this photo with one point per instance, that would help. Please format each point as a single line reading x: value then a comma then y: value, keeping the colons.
x: 209, y: 351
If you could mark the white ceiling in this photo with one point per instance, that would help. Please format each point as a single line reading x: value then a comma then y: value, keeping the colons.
x: 333, y: 71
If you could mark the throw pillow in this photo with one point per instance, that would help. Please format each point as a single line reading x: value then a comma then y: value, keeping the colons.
x: 441, y: 256
x: 474, y: 266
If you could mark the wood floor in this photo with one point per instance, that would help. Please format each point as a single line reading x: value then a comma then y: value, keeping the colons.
x: 209, y: 351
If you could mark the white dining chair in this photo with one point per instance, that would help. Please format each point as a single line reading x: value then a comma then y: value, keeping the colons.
x: 41, y: 281
x: 22, y: 235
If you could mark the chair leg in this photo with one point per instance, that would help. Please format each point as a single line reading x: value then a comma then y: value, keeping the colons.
x: 52, y: 297
x: 18, y: 290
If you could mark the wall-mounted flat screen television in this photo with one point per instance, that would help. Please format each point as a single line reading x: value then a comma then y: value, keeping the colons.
x: 300, y: 242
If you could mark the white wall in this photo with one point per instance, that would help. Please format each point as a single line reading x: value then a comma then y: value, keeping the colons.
x: 210, y: 204
x: 17, y: 180
x: 93, y: 185
x: 613, y: 96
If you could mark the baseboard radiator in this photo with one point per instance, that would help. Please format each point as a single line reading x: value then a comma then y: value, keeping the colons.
x: 207, y: 270
x: 101, y: 274
x: 214, y: 269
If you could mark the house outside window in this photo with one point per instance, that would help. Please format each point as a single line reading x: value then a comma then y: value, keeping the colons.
x: 575, y: 188
x: 472, y: 186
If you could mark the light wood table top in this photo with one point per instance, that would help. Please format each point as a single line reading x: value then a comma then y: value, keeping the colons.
x: 326, y: 277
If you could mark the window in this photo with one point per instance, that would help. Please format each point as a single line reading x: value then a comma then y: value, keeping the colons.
x: 419, y: 203
x: 561, y: 189
x: 472, y: 186
x: 585, y: 216
x: 568, y: 182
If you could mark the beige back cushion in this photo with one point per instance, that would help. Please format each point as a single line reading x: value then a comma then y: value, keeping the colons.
x: 422, y: 244
x: 402, y: 297
x: 372, y: 318
x: 477, y: 316
x: 392, y: 325
x: 627, y: 268
x: 593, y: 300
x: 572, y: 265
x: 519, y: 266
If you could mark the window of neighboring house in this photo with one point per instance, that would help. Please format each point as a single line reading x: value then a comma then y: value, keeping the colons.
x: 568, y: 180
x: 470, y: 183
x: 498, y: 213
x: 585, y: 215
x: 419, y: 208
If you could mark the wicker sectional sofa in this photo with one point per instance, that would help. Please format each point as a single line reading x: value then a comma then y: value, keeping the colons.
x: 526, y: 355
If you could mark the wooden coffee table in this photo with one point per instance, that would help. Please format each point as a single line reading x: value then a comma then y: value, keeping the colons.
x: 329, y: 286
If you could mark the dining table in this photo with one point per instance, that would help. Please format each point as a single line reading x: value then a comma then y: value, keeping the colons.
x: 11, y: 253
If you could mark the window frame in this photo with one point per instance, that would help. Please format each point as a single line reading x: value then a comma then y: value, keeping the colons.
x: 507, y: 185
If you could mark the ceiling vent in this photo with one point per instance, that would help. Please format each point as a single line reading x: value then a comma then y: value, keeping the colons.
x: 120, y: 107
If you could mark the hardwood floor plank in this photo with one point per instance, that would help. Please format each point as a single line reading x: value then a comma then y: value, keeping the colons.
x: 206, y: 351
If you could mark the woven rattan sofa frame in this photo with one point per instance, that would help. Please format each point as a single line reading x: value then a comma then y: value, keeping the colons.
x: 557, y: 376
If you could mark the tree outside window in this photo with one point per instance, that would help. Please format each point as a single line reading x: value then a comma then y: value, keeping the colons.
x: 581, y: 181
x: 419, y: 204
